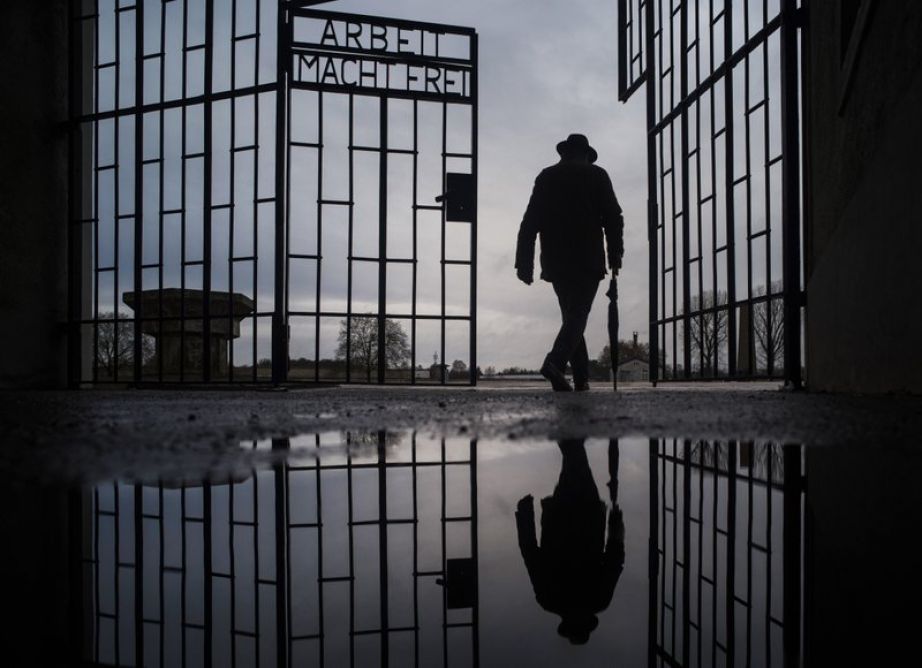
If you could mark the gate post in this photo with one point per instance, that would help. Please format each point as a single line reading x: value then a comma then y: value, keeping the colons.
x: 686, y: 196
x: 280, y: 312
x: 790, y: 193
x: 791, y: 558
x: 652, y: 208
x: 382, y: 243
x: 79, y: 76
x: 475, y: 56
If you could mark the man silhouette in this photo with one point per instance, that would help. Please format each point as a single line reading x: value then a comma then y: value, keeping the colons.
x: 571, y: 205
x: 576, y: 568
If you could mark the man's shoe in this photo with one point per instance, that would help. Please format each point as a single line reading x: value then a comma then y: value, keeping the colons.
x: 581, y: 385
x: 558, y: 380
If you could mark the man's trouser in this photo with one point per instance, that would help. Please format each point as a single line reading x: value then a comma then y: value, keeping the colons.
x: 575, y: 296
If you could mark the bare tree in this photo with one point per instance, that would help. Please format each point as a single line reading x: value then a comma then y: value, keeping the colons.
x: 768, y: 462
x: 763, y: 459
x: 708, y: 329
x: 459, y: 369
x: 711, y: 454
x: 604, y: 359
x: 362, y: 338
x: 115, y: 344
x: 768, y: 329
x: 627, y: 350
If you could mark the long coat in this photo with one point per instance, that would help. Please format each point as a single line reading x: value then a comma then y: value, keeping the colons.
x: 575, y: 569
x: 572, y: 204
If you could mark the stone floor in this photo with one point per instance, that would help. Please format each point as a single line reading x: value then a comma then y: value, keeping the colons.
x: 96, y: 433
x: 823, y: 533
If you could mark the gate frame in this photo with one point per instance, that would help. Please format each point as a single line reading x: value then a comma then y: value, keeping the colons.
x: 789, y: 22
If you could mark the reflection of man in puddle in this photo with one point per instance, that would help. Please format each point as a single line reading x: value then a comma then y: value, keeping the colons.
x: 575, y: 569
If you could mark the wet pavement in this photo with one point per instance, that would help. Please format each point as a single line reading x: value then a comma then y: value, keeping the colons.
x: 118, y: 433
x: 509, y: 527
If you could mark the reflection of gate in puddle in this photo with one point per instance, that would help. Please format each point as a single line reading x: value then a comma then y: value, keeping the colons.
x: 725, y: 523
x: 333, y: 559
x: 724, y: 125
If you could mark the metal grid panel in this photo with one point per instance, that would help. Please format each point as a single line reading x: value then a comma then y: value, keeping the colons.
x: 725, y: 520
x: 724, y: 202
x: 163, y: 223
x: 362, y: 89
x: 297, y: 565
x: 632, y: 58
x: 180, y: 250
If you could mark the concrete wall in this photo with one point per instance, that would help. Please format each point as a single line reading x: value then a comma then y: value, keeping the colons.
x: 864, y: 308
x: 861, y: 580
x: 33, y: 192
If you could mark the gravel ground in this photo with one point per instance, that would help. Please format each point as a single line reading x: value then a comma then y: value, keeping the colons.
x: 97, y: 434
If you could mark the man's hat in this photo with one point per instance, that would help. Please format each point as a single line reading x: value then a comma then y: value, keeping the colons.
x: 577, y: 142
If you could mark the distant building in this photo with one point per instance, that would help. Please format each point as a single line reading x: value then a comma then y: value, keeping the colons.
x: 518, y: 376
x: 633, y: 370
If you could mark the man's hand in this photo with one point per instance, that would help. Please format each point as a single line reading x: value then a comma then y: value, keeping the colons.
x: 525, y: 275
x: 614, y: 263
x: 526, y: 505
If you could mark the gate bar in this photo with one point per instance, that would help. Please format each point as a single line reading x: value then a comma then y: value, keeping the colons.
x: 382, y: 241
x: 686, y: 205
x: 75, y: 230
x: 652, y: 184
x: 206, y: 191
x: 472, y: 309
x: 138, y: 198
x: 279, y: 316
x: 729, y: 148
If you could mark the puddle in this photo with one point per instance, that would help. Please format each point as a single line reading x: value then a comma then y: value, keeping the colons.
x: 359, y: 549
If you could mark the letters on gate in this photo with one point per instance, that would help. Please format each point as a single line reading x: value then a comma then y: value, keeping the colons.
x: 332, y: 54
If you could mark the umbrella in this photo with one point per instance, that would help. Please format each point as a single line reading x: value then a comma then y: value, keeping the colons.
x: 613, y: 329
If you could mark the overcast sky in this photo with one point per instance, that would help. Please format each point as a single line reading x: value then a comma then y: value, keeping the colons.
x: 546, y: 69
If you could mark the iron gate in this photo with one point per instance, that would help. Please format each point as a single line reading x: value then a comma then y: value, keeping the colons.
x: 724, y: 208
x: 254, y: 191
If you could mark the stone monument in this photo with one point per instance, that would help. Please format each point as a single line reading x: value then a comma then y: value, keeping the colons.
x: 173, y: 317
